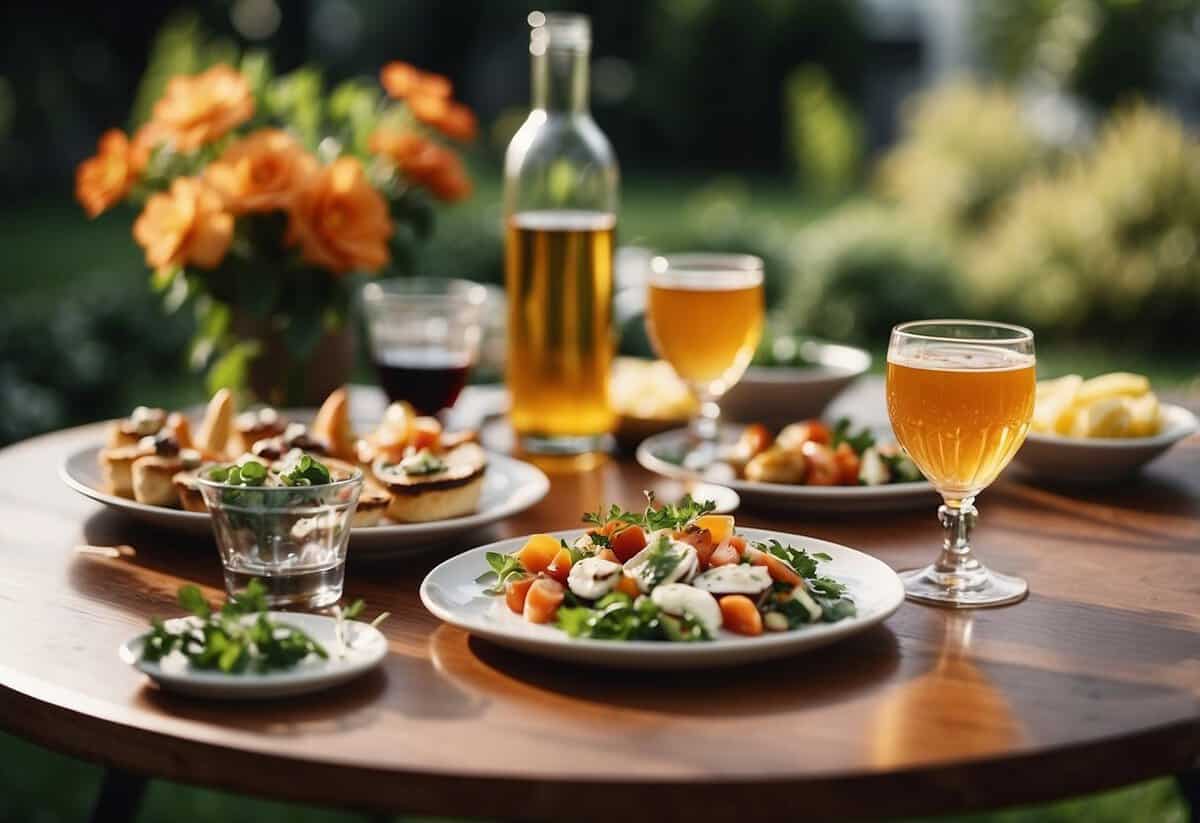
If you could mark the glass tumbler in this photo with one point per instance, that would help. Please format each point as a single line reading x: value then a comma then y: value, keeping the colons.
x: 425, y: 334
x: 291, y: 539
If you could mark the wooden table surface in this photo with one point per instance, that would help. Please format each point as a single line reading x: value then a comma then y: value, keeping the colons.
x: 1092, y: 682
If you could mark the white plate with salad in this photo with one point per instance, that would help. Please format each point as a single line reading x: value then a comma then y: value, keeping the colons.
x: 244, y: 652
x: 807, y: 466
x: 675, y: 587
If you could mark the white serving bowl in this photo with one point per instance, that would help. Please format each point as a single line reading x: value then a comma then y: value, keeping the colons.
x: 1095, y: 460
x: 777, y: 396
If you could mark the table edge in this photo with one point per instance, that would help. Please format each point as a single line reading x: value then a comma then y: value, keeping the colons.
x: 935, y: 788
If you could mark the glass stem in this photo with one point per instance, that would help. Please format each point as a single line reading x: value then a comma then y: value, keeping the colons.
x: 957, y: 518
x: 706, y: 424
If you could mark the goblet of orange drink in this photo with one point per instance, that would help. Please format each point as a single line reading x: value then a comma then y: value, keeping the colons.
x: 704, y: 314
x: 960, y: 396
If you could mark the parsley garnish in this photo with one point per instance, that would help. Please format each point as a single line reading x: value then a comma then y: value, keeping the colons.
x: 668, y: 516
x: 233, y: 639
x: 505, y: 567
x: 804, y: 563
x: 860, y: 442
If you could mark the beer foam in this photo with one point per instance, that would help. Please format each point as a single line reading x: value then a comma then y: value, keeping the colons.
x: 564, y: 220
x: 960, y: 357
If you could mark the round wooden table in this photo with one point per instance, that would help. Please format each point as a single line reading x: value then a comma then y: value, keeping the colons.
x: 1092, y: 682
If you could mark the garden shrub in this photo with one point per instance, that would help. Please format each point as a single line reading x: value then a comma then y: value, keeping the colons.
x: 1108, y: 245
x: 964, y: 148
x: 865, y: 268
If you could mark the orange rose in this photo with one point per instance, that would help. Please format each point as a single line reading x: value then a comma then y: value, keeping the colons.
x: 424, y: 162
x: 452, y: 119
x: 102, y: 181
x: 186, y: 226
x: 197, y: 109
x: 340, y: 222
x: 401, y: 80
x: 145, y: 140
x: 261, y: 172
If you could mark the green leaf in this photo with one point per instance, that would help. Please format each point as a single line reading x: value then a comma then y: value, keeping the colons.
x: 352, y: 611
x: 192, y: 600
x: 860, y: 442
x: 504, y: 567
x: 232, y: 369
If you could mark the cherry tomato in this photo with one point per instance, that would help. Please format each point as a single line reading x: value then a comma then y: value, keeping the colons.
x: 627, y: 542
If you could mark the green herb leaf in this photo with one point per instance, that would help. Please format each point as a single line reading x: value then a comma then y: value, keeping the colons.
x: 191, y: 599
x: 240, y: 636
x: 860, y: 441
x: 504, y: 567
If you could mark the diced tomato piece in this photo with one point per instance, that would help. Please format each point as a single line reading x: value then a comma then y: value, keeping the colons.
x: 822, y: 469
x: 608, y: 554
x: 543, y: 600
x: 515, y: 592
x: 780, y: 571
x: 560, y: 567
x: 702, y: 541
x: 740, y: 615
x: 426, y: 433
x: 724, y: 555
x: 627, y: 542
x: 848, y: 463
x: 721, y: 526
x: 629, y: 586
x: 538, y: 552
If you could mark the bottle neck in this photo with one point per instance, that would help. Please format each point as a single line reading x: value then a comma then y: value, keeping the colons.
x: 560, y: 80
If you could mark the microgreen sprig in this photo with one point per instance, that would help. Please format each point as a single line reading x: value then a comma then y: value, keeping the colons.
x: 667, y: 516
x: 504, y: 567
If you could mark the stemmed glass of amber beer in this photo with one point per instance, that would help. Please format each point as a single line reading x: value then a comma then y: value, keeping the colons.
x: 960, y: 396
x: 704, y: 315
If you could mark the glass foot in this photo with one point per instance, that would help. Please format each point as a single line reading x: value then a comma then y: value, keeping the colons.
x: 984, y: 588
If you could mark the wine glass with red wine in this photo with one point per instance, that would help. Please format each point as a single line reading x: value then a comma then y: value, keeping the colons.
x: 425, y: 336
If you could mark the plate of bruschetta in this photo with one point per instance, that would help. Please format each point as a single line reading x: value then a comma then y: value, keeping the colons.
x: 422, y: 485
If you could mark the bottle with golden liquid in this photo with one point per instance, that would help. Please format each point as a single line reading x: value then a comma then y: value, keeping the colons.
x: 560, y: 203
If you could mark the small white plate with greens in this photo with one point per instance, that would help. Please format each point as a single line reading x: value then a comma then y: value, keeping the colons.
x: 243, y: 652
x: 698, y: 593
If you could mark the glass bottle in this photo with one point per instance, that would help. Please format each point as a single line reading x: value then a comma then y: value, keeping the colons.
x: 560, y: 205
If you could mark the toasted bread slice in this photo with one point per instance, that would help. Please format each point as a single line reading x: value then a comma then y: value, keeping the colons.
x: 254, y: 425
x: 191, y: 499
x: 452, y: 492
x: 181, y: 429
x: 213, y: 435
x: 152, y: 480
x: 372, y: 504
x: 332, y: 425
x: 116, y: 465
x: 128, y: 431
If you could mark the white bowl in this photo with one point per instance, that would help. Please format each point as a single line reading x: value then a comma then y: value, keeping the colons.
x: 777, y: 396
x: 1095, y: 460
